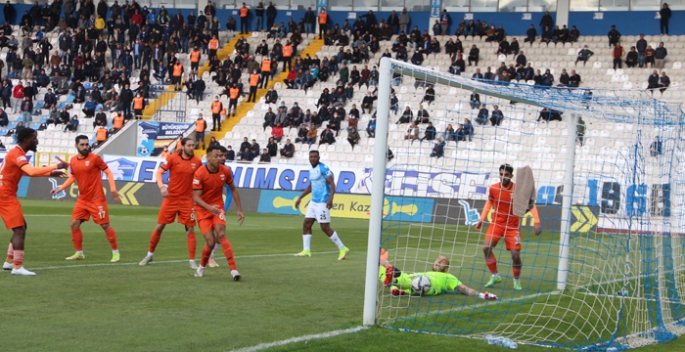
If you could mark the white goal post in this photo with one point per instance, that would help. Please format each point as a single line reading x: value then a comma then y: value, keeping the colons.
x: 615, y: 252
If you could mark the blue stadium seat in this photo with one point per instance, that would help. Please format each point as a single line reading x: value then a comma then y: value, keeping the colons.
x: 39, y: 105
x: 3, y: 132
x: 43, y: 119
x: 35, y: 125
x: 61, y: 105
x: 70, y: 98
x: 12, y: 124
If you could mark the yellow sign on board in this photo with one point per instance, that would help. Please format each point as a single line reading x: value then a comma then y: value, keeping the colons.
x: 349, y: 206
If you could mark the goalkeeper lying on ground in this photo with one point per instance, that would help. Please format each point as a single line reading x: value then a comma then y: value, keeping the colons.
x: 442, y: 282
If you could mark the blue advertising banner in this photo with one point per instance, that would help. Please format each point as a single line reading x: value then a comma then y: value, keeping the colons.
x: 436, y: 8
x: 154, y: 136
x: 351, y: 206
x: 322, y: 4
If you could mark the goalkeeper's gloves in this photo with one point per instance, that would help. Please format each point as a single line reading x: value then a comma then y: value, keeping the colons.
x: 396, y: 291
x: 487, y: 296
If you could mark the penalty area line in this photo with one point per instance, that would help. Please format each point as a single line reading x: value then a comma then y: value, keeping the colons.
x: 163, y: 261
x: 325, y: 335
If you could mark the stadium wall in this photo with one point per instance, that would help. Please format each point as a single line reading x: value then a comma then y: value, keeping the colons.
x: 132, y: 193
x: 124, y: 143
x: 515, y: 23
x: 350, y: 206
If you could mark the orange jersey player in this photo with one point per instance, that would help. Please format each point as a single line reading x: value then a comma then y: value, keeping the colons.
x: 504, y: 225
x: 13, y: 167
x: 86, y: 169
x: 208, y: 185
x: 178, y: 198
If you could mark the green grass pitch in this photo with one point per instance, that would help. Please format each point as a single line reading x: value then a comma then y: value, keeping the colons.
x: 93, y: 305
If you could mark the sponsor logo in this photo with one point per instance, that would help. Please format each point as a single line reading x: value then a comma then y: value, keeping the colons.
x: 55, y: 185
x: 123, y: 169
x: 351, y: 206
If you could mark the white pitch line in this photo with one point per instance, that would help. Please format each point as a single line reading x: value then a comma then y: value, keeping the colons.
x: 479, y: 305
x: 164, y: 261
x: 263, y: 346
x: 155, y: 220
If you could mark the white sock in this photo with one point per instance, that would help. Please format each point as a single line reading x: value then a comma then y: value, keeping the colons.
x: 150, y: 254
x: 495, y: 275
x: 116, y: 251
x: 79, y: 252
x: 216, y: 245
x: 337, y: 241
x: 306, y: 242
x: 191, y: 261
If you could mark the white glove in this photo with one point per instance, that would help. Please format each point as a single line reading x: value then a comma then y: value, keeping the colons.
x: 487, y: 296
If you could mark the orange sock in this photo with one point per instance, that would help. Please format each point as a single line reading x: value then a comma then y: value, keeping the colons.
x: 18, y: 258
x: 491, y: 261
x: 154, y: 240
x: 192, y: 245
x: 77, y: 239
x: 228, y: 252
x: 10, y: 254
x: 112, y: 238
x: 206, y: 252
x: 517, y: 270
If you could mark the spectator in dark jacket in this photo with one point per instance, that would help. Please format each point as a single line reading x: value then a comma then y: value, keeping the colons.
x: 664, y: 81
x: 438, y: 148
x: 653, y: 80
x: 665, y: 14
x: 497, y: 116
x: 531, y: 33
x: 4, y: 120
x: 614, y: 36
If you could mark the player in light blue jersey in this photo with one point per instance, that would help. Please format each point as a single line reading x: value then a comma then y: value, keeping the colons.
x: 322, y: 188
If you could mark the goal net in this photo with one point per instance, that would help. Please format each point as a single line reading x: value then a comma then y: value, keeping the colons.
x: 608, y: 269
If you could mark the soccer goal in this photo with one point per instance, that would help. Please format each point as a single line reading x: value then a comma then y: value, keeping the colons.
x: 608, y: 269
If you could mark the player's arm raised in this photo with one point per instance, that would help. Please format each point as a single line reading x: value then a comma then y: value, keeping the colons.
x: 197, y: 197
x: 64, y: 186
x: 238, y: 204
x: 331, y: 182
x: 160, y: 182
x: 44, y: 171
x: 484, y: 214
x: 304, y: 194
x: 112, y: 185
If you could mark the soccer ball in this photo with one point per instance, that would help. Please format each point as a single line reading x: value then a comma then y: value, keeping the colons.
x: 421, y: 284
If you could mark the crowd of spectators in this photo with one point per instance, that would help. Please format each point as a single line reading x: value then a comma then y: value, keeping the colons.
x: 102, y: 50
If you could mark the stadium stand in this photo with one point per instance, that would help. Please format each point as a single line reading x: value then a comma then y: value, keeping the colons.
x: 451, y: 106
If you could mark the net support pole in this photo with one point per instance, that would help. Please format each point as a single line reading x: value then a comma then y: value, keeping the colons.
x: 567, y: 203
x: 377, y: 192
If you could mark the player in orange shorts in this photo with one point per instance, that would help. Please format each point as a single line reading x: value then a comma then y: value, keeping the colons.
x: 13, y: 167
x: 208, y: 186
x: 86, y: 169
x: 504, y: 225
x: 178, y: 198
